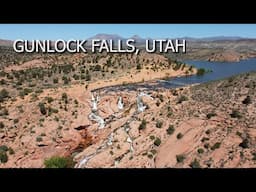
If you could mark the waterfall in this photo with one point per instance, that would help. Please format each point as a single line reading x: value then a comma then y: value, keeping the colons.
x: 93, y: 116
x: 120, y: 103
x: 94, y: 103
x: 98, y: 119
x: 141, y: 107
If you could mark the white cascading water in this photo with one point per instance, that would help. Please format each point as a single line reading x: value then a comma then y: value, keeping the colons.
x: 98, y: 119
x: 120, y: 103
x: 141, y: 107
x: 93, y: 115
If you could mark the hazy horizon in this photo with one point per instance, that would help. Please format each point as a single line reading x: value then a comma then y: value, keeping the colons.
x: 84, y: 31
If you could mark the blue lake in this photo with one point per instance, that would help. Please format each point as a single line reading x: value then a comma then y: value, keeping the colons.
x: 220, y: 70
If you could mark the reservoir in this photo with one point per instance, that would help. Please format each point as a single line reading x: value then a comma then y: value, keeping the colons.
x: 220, y: 70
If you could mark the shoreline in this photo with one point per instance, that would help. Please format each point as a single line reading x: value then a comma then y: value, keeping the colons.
x: 141, y: 77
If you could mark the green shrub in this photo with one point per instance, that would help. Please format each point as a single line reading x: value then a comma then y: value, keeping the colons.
x: 209, y: 115
x: 42, y: 108
x: 179, y: 136
x: 161, y: 97
x: 150, y: 156
x: 59, y: 162
x: 216, y: 146
x: 201, y: 71
x: 169, y: 114
x: 182, y: 98
x: 1, y: 125
x: 11, y: 151
x: 3, y: 148
x: 64, y: 96
x: 235, y: 114
x: 139, y: 66
x: 200, y: 150
x: 245, y: 143
x: 143, y: 124
x: 195, y: 164
x: 39, y: 139
x: 97, y: 67
x: 49, y: 99
x: 170, y: 130
x: 152, y: 137
x: 3, y: 94
x: 180, y: 158
x: 15, y: 121
x: 254, y: 156
x: 247, y: 100
x: 159, y: 124
x: 157, y: 141
x: 55, y: 80
x: 3, y: 157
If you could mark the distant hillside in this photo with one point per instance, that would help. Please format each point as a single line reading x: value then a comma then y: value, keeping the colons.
x: 4, y: 42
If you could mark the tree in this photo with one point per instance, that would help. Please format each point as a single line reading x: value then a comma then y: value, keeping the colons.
x: 42, y: 108
x: 3, y: 157
x: 143, y: 124
x: 59, y: 162
x: 3, y: 95
x: 157, y: 141
x: 97, y: 68
x: 139, y: 66
x: 170, y: 130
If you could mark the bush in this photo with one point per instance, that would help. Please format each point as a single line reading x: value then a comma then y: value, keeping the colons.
x: 59, y: 162
x: 235, y: 114
x: 182, y: 98
x: 245, y: 143
x: 209, y: 115
x: 143, y: 124
x: 55, y: 80
x: 169, y: 114
x: 159, y: 124
x: 42, y: 108
x: 157, y: 141
x: 201, y: 71
x: 195, y: 164
x: 97, y: 68
x: 15, y: 121
x: 254, y: 156
x: 161, y: 97
x: 157, y: 103
x: 216, y: 146
x: 3, y: 148
x: 87, y: 77
x: 247, y: 100
x: 11, y: 151
x: 4, y: 112
x: 39, y: 139
x: 152, y: 137
x: 179, y: 136
x: 3, y: 157
x: 180, y: 158
x: 170, y: 130
x: 3, y: 94
x: 1, y: 125
x: 49, y: 99
x: 200, y: 150
x: 139, y: 66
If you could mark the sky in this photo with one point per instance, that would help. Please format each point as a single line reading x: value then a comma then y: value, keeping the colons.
x: 84, y: 31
